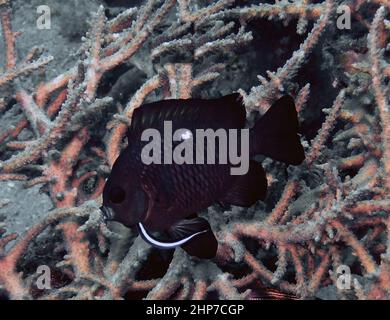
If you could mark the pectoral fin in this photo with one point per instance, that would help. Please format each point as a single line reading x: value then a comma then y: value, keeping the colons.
x: 193, y: 235
x: 164, y: 244
x: 203, y: 245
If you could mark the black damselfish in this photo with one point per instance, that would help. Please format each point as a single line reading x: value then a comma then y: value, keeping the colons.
x: 166, y: 197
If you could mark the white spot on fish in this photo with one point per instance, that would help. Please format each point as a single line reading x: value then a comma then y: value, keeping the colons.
x: 187, y: 134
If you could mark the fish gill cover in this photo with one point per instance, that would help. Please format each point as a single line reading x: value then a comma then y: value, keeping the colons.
x: 323, y: 230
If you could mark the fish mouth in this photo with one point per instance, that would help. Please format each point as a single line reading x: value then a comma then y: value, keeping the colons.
x: 164, y: 245
x: 108, y: 213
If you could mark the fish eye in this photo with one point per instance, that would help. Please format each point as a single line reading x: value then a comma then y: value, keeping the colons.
x: 117, y: 195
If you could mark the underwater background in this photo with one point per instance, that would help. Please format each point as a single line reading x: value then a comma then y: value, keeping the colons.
x: 71, y: 74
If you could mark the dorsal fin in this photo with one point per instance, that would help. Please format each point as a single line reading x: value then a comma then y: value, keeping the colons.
x: 225, y: 112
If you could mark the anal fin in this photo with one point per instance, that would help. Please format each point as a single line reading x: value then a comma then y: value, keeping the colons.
x: 248, y: 188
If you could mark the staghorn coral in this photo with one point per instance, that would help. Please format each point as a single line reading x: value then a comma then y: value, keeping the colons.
x: 330, y: 211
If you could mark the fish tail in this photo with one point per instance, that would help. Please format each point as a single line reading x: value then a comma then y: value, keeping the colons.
x: 275, y: 135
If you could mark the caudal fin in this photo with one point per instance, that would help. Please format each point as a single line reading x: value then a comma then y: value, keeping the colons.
x: 275, y: 135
